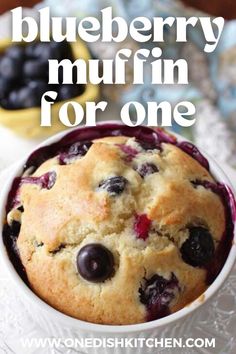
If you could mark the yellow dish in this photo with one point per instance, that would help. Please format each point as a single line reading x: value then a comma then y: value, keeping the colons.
x: 26, y: 122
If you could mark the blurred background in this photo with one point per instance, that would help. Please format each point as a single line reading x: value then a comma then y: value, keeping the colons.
x: 212, y: 89
x: 212, y: 76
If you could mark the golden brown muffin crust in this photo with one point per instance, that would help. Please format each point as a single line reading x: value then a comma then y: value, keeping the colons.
x: 57, y: 223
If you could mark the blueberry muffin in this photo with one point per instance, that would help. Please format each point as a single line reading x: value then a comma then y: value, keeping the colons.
x: 118, y: 225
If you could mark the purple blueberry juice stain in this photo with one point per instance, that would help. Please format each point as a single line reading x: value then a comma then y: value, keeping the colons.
x: 146, y: 135
x: 113, y: 185
x: 130, y: 153
x: 76, y: 150
x: 11, y: 232
x: 146, y: 169
x: 45, y: 181
x: 224, y: 246
x: 149, y: 145
x: 193, y: 151
x: 156, y: 293
x: 10, y: 235
x: 149, y: 138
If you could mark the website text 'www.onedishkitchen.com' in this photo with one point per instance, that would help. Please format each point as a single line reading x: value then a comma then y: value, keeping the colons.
x: 86, y: 343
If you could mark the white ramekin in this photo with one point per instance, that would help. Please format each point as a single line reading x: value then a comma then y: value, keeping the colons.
x: 62, y: 326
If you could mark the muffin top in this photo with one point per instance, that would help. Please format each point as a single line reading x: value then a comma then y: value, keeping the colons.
x: 118, y: 229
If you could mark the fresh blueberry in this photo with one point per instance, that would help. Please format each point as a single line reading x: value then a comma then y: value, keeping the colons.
x: 16, y: 52
x: 5, y: 104
x: 35, y: 69
x: 43, y: 51
x: 199, y: 248
x: 77, y: 149
x: 65, y: 51
x: 66, y: 92
x: 114, y: 185
x: 24, y: 97
x: 30, y: 50
x: 80, y: 148
x: 12, y: 232
x: 156, y: 293
x: 147, y: 169
x: 148, y: 145
x: 129, y: 151
x: 45, y: 181
x: 5, y: 86
x: 13, y: 99
x: 28, y: 96
x: 10, y: 68
x: 38, y: 86
x: 95, y: 263
x: 64, y: 48
x: 15, y: 228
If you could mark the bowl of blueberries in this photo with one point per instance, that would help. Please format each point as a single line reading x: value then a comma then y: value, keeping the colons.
x: 24, y: 79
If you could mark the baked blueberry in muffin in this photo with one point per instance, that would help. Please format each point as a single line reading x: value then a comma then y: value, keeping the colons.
x: 118, y: 225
